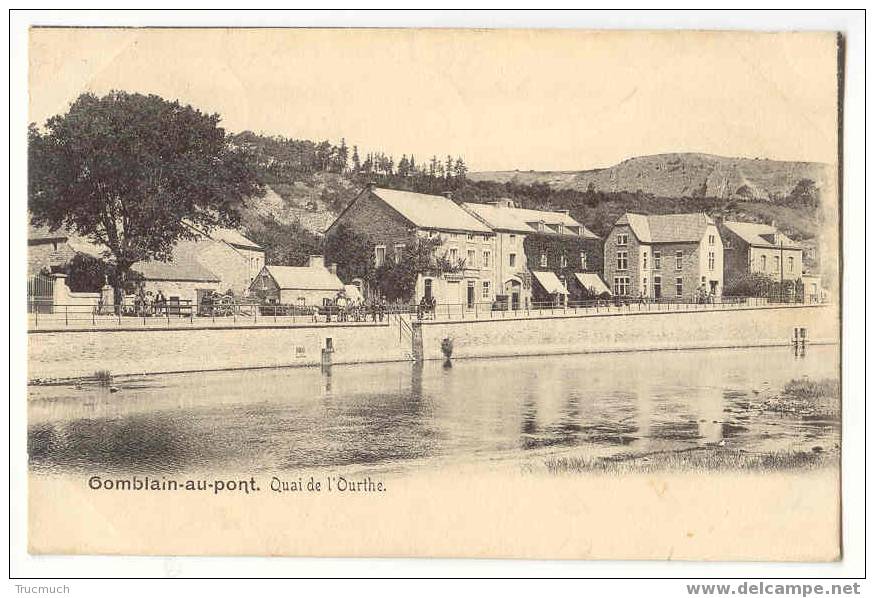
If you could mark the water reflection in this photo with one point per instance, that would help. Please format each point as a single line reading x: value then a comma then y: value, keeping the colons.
x: 409, y: 415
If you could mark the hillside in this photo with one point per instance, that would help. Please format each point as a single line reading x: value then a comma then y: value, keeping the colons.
x: 680, y: 175
x: 308, y: 186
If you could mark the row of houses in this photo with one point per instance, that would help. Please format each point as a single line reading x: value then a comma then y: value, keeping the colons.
x: 504, y: 253
x: 497, y: 252
x: 524, y: 256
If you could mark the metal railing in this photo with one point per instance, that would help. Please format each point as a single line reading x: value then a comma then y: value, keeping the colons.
x: 45, y: 315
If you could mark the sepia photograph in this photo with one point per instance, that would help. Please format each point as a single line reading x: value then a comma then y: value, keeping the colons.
x: 457, y: 293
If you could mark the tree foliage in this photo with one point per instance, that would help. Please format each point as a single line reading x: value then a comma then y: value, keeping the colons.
x: 284, y: 244
x: 126, y: 170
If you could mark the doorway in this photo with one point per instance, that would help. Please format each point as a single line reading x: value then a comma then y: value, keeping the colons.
x: 470, y: 296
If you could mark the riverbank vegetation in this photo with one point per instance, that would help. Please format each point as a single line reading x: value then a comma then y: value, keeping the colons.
x: 695, y: 459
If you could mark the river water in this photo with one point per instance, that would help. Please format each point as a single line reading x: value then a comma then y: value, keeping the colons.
x: 405, y: 416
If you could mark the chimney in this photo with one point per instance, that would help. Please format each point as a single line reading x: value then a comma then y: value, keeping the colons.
x: 316, y: 261
x: 332, y: 268
x: 566, y: 212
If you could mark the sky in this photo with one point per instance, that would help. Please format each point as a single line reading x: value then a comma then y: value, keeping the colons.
x: 503, y: 99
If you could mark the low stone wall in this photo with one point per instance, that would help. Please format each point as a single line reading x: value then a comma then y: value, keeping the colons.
x: 75, y: 353
x: 635, y: 331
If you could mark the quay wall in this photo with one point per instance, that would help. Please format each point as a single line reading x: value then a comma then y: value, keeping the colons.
x: 77, y: 353
x: 60, y: 354
x: 635, y: 331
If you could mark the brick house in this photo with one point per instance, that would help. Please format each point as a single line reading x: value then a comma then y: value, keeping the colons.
x: 389, y: 219
x: 664, y: 256
x: 539, y: 252
x: 750, y: 248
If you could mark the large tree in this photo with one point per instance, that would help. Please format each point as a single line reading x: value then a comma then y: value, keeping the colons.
x: 127, y: 171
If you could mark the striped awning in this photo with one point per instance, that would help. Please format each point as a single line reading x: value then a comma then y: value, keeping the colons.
x: 550, y: 282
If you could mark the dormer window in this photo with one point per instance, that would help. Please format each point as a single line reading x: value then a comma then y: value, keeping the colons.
x: 541, y: 226
x: 560, y: 228
x: 622, y: 239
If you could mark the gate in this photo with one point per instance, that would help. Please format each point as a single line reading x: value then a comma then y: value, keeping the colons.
x: 40, y: 294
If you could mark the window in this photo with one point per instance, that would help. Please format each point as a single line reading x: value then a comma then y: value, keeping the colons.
x: 486, y: 289
x: 513, y: 239
x: 560, y: 228
x: 645, y: 260
x: 487, y: 255
x: 543, y: 260
x: 399, y: 253
x: 512, y: 260
x: 657, y: 260
x: 644, y: 287
x: 541, y: 226
x: 432, y: 234
x: 563, y: 261
x: 471, y: 236
x: 763, y: 263
x: 454, y: 254
x: 54, y: 245
x: 380, y: 255
x: 622, y: 239
x: 710, y: 239
x: 472, y: 258
x: 621, y: 285
x: 679, y: 286
x: 790, y: 264
x: 657, y: 286
x: 622, y: 260
x: 583, y: 260
x: 679, y: 260
x: 777, y: 263
x: 710, y: 260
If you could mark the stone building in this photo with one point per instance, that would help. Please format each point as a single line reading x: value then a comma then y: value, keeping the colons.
x: 664, y: 256
x: 759, y: 248
x: 310, y: 285
x: 391, y: 219
x: 222, y: 260
x: 539, y: 252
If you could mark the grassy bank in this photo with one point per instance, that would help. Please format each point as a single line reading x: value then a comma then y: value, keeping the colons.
x: 694, y: 459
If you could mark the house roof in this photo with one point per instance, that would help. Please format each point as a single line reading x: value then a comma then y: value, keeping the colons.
x: 227, y: 235
x: 183, y: 267
x: 517, y: 219
x: 667, y: 228
x: 37, y: 232
x: 304, y: 278
x: 430, y: 211
x: 761, y: 235
x: 591, y: 280
x: 550, y: 282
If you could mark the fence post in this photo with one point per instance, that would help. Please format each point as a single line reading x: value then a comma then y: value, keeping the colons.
x: 66, y: 319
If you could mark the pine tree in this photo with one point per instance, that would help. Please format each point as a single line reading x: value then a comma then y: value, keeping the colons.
x: 460, y: 169
x: 356, y: 163
x: 341, y: 155
x: 448, y: 169
x: 403, y: 166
